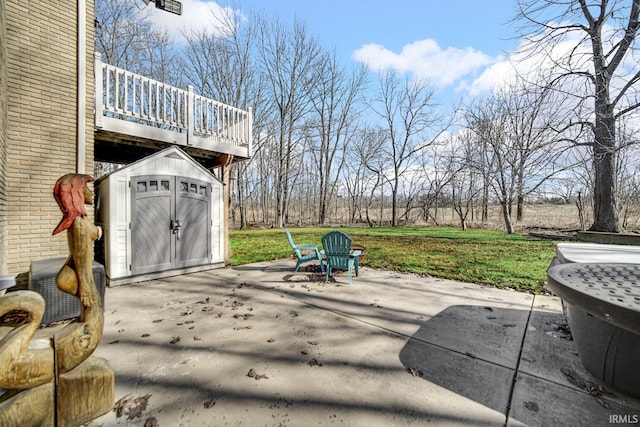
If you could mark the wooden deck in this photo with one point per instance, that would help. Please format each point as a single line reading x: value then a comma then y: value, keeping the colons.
x: 136, y: 116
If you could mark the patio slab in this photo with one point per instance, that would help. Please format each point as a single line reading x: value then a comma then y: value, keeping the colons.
x: 261, y: 345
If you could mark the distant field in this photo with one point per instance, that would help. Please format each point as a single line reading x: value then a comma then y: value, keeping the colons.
x: 536, y: 215
x: 489, y: 257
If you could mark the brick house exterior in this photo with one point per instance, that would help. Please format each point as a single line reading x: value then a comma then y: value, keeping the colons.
x: 48, y: 76
x: 39, y: 123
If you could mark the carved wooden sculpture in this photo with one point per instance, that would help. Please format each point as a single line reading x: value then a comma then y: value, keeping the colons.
x: 78, y: 340
x: 58, y: 382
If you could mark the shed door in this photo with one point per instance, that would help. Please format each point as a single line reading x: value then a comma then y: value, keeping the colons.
x: 170, y: 223
x: 193, y: 210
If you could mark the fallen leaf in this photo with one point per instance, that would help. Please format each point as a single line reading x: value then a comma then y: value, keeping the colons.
x: 209, y: 403
x: 174, y: 340
x: 130, y: 406
x: 314, y: 362
x: 236, y: 304
x: 244, y: 316
x: 414, y: 372
x: 255, y: 375
x: 145, y: 336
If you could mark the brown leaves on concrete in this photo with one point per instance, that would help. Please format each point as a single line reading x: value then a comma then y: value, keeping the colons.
x: 131, y: 407
x: 253, y: 374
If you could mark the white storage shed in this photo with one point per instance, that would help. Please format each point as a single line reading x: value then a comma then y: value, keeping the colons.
x: 161, y: 216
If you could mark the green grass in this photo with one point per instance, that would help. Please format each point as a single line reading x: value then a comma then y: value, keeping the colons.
x: 476, y: 256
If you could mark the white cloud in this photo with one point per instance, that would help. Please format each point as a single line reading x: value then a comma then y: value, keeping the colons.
x: 197, y: 15
x: 426, y: 59
x: 492, y: 78
x: 522, y: 62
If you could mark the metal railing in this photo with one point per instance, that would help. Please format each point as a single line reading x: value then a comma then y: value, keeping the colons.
x: 130, y: 97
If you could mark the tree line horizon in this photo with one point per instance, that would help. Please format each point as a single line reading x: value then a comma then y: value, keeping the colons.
x: 330, y: 136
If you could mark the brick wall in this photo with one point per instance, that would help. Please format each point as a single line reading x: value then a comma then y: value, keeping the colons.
x: 41, y: 124
x: 3, y: 142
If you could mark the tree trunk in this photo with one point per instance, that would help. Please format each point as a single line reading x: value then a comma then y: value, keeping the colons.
x: 485, y: 202
x: 605, y: 215
x: 580, y: 206
x: 242, y: 201
x: 322, y: 207
x: 394, y: 204
x: 520, y: 208
x: 506, y: 213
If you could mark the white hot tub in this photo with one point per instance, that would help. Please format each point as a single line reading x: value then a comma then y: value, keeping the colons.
x: 609, y: 352
x: 597, y: 253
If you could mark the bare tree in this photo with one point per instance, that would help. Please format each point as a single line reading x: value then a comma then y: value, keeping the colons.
x: 464, y: 185
x: 601, y: 62
x: 532, y: 115
x: 221, y: 65
x: 288, y: 59
x: 126, y: 39
x: 335, y: 97
x: 407, y: 109
x: 436, y: 173
x: 488, y: 121
x: 369, y: 152
x: 522, y: 152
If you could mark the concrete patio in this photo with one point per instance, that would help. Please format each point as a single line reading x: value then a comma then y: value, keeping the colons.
x: 261, y: 345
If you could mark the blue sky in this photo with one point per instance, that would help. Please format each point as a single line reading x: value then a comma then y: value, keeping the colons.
x: 349, y: 25
x: 459, y: 46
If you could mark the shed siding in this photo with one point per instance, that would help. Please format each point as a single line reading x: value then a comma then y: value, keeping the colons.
x: 115, y: 206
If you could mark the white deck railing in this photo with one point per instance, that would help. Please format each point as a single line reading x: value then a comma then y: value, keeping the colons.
x: 137, y: 101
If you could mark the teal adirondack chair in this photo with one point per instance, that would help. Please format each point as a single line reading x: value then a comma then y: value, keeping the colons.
x: 337, y: 251
x: 313, y: 253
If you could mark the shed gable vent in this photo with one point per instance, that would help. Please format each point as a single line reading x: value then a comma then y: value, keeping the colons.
x: 174, y: 155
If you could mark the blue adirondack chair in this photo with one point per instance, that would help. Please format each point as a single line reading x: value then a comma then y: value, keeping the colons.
x: 313, y: 253
x: 337, y: 251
